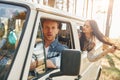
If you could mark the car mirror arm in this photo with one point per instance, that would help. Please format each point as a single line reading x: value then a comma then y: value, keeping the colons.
x: 60, y: 74
x: 54, y: 75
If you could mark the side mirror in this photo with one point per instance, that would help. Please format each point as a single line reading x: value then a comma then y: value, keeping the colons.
x: 70, y: 63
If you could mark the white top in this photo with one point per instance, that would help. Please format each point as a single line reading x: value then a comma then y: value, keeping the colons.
x: 46, y: 50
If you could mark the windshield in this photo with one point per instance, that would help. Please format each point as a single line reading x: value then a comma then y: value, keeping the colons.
x: 12, y: 19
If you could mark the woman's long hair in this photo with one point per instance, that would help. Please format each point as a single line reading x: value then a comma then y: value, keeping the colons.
x: 96, y: 33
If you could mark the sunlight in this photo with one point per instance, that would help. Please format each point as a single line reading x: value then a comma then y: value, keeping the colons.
x: 100, y: 15
x: 114, y: 31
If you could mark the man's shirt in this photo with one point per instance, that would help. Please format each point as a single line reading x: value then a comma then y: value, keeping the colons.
x: 54, y: 52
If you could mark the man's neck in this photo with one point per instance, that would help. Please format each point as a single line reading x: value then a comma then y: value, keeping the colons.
x: 48, y: 42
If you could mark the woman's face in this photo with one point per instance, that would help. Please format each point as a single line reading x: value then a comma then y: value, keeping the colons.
x: 87, y: 28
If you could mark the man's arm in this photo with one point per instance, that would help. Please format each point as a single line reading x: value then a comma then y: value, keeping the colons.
x: 50, y: 64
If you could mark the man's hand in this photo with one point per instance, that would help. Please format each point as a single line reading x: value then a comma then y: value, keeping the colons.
x: 33, y: 66
x: 50, y: 64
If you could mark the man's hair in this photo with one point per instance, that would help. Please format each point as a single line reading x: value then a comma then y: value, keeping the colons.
x: 59, y: 24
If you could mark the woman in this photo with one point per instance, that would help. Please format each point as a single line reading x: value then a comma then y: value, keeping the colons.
x: 90, y: 32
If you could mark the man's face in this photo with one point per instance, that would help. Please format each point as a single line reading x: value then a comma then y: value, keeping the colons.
x: 50, y: 30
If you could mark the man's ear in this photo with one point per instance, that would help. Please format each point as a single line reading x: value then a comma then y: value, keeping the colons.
x: 57, y: 31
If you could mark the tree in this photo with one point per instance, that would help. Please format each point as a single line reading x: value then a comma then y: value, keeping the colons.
x: 109, y: 17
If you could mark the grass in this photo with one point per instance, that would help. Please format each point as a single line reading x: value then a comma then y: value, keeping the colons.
x: 111, y: 67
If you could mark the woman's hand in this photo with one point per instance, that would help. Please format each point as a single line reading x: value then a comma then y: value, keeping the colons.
x: 112, y: 49
x: 117, y: 45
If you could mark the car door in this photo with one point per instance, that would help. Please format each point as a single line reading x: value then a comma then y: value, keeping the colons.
x: 88, y: 67
x: 14, y: 16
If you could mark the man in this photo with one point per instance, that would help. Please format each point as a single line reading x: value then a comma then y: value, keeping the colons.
x: 52, y: 47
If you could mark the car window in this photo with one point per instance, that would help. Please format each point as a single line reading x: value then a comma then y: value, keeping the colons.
x: 11, y: 25
x: 38, y: 57
x: 65, y: 35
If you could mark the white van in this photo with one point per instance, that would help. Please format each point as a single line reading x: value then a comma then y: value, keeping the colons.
x: 23, y: 21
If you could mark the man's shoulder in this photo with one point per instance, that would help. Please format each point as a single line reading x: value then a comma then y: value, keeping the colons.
x: 56, y: 44
x: 61, y: 46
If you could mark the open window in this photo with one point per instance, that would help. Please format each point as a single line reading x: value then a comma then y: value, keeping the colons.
x: 37, y: 66
x: 64, y: 37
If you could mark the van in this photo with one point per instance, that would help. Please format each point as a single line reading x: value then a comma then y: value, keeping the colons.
x: 25, y: 20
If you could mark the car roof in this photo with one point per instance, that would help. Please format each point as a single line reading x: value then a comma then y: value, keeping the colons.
x: 46, y: 9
